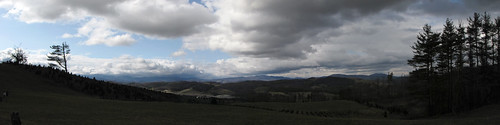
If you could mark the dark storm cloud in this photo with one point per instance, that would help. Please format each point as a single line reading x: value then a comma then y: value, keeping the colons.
x: 280, y: 25
x: 455, y: 7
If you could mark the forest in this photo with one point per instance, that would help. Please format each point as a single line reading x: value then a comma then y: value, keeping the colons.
x: 457, y: 69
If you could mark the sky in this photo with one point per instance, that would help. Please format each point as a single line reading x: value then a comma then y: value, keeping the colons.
x: 228, y: 38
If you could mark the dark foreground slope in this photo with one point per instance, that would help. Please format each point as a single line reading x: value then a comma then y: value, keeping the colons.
x: 41, y: 101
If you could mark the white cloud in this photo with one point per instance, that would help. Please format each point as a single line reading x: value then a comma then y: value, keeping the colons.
x: 4, y: 55
x: 67, y: 35
x: 98, y: 32
x: 152, y: 18
x: 38, y: 11
x: 179, y: 53
x: 123, y: 65
x: 5, y: 3
x: 128, y: 65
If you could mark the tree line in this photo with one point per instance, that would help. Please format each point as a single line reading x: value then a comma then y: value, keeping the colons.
x: 59, y: 55
x: 458, y: 67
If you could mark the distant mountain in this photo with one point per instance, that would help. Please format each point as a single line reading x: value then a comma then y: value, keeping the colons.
x: 177, y: 78
x: 180, y: 77
x: 136, y: 79
x: 250, y: 78
x: 367, y: 77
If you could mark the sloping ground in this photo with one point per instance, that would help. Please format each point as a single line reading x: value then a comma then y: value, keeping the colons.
x: 337, y: 108
x: 41, y: 101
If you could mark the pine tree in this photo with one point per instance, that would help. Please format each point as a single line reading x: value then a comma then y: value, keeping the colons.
x: 59, y: 55
x: 472, y: 39
x: 445, y: 48
x: 459, y: 47
x: 496, y: 41
x: 485, y: 50
x: 425, y: 51
x: 456, y: 88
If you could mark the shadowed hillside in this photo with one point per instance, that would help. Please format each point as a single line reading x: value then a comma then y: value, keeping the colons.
x: 85, y: 85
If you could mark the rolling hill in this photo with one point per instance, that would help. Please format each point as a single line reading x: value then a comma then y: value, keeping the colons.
x: 323, y: 88
x: 44, y: 100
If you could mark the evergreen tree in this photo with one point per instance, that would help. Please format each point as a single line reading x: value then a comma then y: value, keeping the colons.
x: 445, y: 49
x: 456, y: 88
x: 59, y: 55
x: 472, y: 39
x: 485, y: 49
x: 389, y: 77
x: 496, y: 41
x: 425, y: 50
x: 459, y: 47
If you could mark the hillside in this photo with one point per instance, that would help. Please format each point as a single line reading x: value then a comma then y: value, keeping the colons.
x: 322, y: 89
x: 40, y: 100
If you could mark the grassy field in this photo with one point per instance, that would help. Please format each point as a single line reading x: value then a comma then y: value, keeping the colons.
x: 40, y: 102
x: 338, y: 109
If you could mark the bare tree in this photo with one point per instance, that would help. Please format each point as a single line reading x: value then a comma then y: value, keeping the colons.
x: 59, y: 55
x: 18, y: 56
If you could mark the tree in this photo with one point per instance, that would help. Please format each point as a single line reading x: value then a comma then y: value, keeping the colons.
x: 447, y: 84
x: 497, y: 41
x: 487, y: 33
x: 59, y: 55
x: 455, y: 87
x: 445, y: 49
x: 425, y: 51
x: 18, y: 56
x: 458, y: 46
x: 472, y: 39
x: 389, y: 77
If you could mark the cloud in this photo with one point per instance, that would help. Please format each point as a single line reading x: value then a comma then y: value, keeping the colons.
x: 123, y: 65
x: 98, y: 32
x: 161, y: 18
x: 152, y: 18
x: 355, y: 37
x: 128, y: 65
x: 179, y: 53
x: 280, y: 37
x: 363, y: 46
x: 4, y: 55
x: 278, y: 29
x: 453, y: 7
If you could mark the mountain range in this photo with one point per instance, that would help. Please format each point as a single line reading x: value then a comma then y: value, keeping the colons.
x: 366, y: 77
x: 176, y: 78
